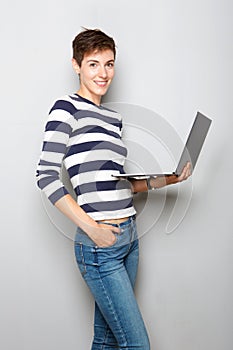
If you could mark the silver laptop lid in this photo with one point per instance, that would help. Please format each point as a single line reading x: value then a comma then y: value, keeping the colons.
x: 194, y: 142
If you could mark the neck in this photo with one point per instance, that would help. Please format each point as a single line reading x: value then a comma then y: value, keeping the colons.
x: 95, y: 99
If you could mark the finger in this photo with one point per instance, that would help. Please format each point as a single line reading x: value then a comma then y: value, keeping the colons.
x: 189, y: 169
x: 189, y: 173
x: 115, y: 229
x: 181, y: 178
x: 182, y: 175
x: 111, y: 227
x: 186, y: 170
x: 185, y: 175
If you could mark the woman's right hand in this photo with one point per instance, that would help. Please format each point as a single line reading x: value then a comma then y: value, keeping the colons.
x: 102, y: 235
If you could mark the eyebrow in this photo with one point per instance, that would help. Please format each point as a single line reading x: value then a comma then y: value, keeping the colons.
x: 96, y: 61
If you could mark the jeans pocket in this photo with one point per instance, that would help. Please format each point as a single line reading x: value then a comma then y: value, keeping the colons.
x: 78, y: 247
x: 112, y: 245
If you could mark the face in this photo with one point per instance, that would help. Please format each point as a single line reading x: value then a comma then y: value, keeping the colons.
x: 96, y: 74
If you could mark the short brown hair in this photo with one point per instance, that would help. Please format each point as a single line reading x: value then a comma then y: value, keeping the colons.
x: 90, y: 40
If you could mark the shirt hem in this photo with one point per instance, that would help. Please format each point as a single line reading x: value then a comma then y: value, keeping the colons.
x: 112, y: 215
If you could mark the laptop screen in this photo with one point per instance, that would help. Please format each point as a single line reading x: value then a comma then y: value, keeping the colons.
x: 194, y: 142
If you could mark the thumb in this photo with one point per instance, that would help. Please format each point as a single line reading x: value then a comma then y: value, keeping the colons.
x: 115, y: 229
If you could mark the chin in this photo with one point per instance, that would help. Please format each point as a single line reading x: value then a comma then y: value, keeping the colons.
x: 102, y: 93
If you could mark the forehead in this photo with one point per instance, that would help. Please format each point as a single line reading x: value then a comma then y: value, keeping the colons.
x: 99, y: 55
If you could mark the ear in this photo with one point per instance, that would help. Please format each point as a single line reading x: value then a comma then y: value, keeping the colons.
x: 75, y: 66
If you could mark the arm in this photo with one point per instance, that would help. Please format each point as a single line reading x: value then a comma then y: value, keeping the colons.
x: 161, y: 181
x: 57, y: 132
x: 101, y: 234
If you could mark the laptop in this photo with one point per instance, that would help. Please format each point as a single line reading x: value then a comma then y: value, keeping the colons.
x: 190, y: 152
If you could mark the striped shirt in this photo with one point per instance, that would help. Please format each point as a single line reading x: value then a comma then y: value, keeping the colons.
x: 86, y: 139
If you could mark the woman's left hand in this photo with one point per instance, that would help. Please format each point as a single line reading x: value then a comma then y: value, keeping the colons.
x: 186, y: 172
x: 173, y: 179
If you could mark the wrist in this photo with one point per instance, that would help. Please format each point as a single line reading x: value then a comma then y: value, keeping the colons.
x: 151, y: 185
x: 89, y: 227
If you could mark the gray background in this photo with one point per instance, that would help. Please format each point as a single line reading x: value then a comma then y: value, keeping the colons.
x: 174, y: 58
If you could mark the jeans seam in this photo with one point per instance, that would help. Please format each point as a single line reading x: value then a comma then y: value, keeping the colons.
x: 83, y: 273
x: 131, y: 234
x: 112, y: 310
x: 105, y: 337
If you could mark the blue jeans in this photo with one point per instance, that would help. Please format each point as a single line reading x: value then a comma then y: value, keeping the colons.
x: 110, y: 273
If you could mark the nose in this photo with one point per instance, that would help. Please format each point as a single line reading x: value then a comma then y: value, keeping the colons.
x: 102, y: 72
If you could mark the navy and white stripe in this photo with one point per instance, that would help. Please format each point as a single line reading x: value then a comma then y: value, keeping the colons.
x: 87, y: 139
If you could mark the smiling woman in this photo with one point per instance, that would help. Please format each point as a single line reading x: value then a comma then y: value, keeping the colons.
x: 86, y: 137
x: 96, y: 73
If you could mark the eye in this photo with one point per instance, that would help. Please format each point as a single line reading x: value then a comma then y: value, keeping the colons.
x: 93, y: 65
x: 110, y: 64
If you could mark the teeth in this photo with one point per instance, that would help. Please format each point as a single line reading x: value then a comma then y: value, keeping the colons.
x: 101, y: 83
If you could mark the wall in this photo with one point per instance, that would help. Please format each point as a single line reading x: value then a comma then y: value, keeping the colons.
x: 174, y: 58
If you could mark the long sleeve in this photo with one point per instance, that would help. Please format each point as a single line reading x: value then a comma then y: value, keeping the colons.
x: 86, y: 140
x: 56, y: 136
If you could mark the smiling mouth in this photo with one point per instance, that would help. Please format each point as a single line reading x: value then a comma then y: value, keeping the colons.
x: 101, y: 83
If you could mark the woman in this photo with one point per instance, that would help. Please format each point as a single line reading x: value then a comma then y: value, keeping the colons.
x: 86, y: 137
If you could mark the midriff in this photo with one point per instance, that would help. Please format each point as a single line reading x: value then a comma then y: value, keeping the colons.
x: 114, y: 221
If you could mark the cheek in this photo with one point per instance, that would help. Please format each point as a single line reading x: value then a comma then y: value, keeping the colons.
x: 111, y: 74
x: 86, y: 77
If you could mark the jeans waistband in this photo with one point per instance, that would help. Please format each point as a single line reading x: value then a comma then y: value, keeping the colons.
x: 83, y: 238
x: 124, y: 223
